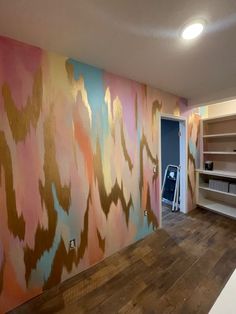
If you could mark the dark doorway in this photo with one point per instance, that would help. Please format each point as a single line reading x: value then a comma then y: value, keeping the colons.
x: 169, y: 144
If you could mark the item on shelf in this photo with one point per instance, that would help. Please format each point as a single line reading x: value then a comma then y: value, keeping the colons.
x: 219, y: 185
x: 209, y: 165
x: 232, y: 188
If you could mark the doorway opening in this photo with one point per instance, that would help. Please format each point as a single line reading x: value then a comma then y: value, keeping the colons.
x: 173, y: 152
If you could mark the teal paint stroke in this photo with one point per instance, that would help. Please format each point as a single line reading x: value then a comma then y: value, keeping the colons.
x: 43, y: 268
x: 94, y: 85
x: 143, y: 229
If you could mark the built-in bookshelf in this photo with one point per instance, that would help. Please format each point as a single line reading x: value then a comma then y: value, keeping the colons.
x: 216, y: 188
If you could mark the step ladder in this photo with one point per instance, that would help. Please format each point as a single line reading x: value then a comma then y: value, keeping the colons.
x: 171, y: 186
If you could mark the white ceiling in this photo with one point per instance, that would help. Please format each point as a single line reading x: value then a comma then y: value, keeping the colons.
x: 138, y: 39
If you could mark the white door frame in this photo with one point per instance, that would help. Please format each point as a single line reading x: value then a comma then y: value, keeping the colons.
x: 183, y: 161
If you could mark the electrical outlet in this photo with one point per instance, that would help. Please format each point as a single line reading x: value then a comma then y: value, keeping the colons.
x: 72, y: 244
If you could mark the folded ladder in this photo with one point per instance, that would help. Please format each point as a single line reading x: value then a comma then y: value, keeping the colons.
x: 170, y: 187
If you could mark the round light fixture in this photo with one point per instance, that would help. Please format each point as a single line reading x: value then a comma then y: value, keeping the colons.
x: 193, y: 30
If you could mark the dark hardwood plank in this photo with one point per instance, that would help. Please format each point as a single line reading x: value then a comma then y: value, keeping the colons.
x: 180, y: 268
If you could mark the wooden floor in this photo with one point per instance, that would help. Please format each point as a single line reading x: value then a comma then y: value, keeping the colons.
x: 178, y: 269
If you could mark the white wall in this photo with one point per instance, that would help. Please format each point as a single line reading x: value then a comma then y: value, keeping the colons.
x: 223, y: 108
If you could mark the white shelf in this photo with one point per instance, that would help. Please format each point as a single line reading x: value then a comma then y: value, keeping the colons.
x: 220, y: 148
x: 218, y: 173
x: 220, y: 135
x: 218, y: 207
x: 226, y: 117
x: 219, y: 153
x: 216, y: 191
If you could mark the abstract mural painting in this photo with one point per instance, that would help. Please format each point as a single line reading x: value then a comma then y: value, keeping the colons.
x: 77, y: 151
x: 193, y: 156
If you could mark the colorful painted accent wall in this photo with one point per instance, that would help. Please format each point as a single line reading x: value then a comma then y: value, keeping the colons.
x: 193, y: 154
x: 77, y: 150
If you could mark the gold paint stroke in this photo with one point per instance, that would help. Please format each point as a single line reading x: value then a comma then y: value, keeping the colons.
x: 20, y: 120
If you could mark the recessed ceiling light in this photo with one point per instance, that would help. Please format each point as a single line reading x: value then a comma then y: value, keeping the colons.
x: 193, y: 30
